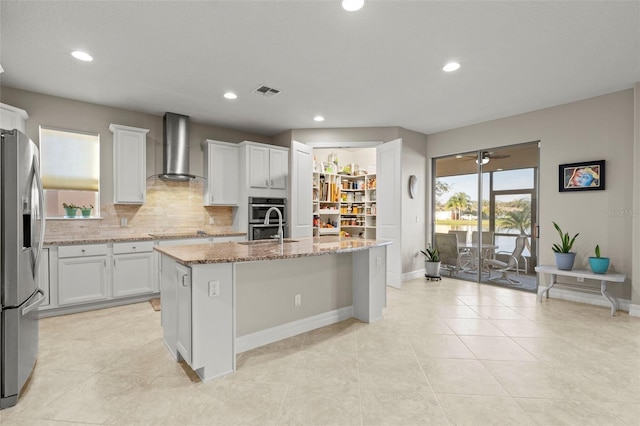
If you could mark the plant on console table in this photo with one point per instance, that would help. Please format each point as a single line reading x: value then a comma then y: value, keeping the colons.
x: 599, y: 264
x: 431, y: 262
x: 70, y: 210
x: 564, y: 256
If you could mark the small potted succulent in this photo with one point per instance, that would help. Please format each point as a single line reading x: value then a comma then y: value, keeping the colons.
x: 86, y: 211
x: 70, y: 210
x: 431, y: 262
x: 599, y: 264
x: 564, y: 256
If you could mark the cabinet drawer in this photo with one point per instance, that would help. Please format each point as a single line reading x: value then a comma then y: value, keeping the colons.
x: 82, y: 250
x: 132, y: 247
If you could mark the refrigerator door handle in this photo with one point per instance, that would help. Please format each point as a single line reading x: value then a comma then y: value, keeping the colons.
x: 35, y: 304
x: 36, y: 174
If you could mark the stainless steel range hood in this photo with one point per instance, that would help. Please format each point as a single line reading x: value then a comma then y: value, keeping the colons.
x: 175, y: 148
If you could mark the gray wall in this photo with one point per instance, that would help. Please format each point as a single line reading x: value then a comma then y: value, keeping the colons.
x: 45, y: 110
x: 592, y: 129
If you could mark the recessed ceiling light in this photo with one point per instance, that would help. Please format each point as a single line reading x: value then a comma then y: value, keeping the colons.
x: 451, y: 66
x: 352, y: 5
x: 318, y: 118
x: 82, y: 56
x: 230, y: 95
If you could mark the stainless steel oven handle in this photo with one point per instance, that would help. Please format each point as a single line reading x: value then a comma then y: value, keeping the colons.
x: 266, y: 226
x: 35, y: 304
x: 267, y: 205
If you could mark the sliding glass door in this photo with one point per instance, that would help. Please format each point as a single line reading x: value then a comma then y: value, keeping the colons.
x: 488, y: 198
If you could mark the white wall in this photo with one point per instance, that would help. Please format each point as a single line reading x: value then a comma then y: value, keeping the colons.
x: 592, y: 129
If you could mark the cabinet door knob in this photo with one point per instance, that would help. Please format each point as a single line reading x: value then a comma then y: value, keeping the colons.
x: 134, y: 247
x: 83, y: 250
x: 266, y: 182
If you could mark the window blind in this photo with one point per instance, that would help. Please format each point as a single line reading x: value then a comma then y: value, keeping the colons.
x: 69, y: 160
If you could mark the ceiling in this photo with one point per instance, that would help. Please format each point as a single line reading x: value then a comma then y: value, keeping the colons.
x: 380, y: 66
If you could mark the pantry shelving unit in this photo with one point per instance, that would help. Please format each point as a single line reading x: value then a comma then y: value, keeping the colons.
x: 344, y: 203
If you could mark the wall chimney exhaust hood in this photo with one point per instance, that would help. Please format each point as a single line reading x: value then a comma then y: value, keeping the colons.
x: 175, y: 148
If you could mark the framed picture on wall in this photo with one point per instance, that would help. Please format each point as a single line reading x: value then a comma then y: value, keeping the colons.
x: 585, y: 176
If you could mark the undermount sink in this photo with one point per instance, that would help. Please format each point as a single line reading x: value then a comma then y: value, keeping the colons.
x: 250, y: 243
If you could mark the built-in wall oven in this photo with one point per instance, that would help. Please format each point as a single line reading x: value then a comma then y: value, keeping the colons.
x: 258, y: 207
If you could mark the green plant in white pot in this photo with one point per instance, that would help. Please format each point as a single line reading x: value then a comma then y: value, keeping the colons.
x: 564, y: 256
x: 599, y: 264
x: 431, y: 262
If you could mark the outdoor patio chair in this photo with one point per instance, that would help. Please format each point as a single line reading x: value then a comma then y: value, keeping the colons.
x: 512, y: 264
x: 451, y: 259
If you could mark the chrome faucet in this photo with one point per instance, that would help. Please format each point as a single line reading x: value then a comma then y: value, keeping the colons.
x: 280, y: 230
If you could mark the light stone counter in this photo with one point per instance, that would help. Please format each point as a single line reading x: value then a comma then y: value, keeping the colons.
x: 85, y: 239
x: 232, y: 252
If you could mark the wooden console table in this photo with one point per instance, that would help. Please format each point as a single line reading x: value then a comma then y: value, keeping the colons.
x: 582, y: 273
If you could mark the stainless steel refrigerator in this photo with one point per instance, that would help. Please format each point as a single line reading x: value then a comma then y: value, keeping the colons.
x: 22, y: 225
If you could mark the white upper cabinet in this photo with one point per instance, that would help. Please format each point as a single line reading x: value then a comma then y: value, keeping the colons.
x: 221, y: 167
x: 129, y: 164
x: 267, y: 169
x: 13, y: 118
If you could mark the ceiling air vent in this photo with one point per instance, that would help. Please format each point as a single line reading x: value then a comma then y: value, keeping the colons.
x: 266, y: 91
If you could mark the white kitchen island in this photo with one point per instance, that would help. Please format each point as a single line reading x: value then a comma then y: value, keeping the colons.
x: 220, y: 299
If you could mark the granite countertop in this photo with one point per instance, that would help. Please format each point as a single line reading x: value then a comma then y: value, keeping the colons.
x: 265, y: 249
x: 62, y: 241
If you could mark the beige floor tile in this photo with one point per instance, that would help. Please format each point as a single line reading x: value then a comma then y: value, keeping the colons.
x: 321, y: 406
x: 497, y: 312
x: 455, y: 311
x: 325, y: 369
x: 232, y: 403
x: 565, y: 412
x: 44, y: 387
x: 111, y: 366
x: 483, y: 410
x: 461, y: 376
x: 473, y: 327
x: 399, y: 374
x: 393, y: 408
x: 551, y: 349
x: 480, y: 300
x: 95, y: 400
x: 384, y: 346
x: 522, y: 328
x: 496, y: 348
x: 440, y: 346
x: 537, y: 380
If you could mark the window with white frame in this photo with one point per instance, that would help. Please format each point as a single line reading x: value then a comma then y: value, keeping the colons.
x: 70, y: 168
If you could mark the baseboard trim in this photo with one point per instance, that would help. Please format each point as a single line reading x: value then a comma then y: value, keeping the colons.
x: 74, y: 309
x: 588, y: 298
x: 634, y: 310
x: 273, y: 334
x: 413, y: 275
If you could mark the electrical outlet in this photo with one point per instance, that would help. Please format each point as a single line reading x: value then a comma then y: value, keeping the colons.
x: 214, y: 288
x: 123, y: 221
x: 379, y: 262
x: 297, y: 300
x: 580, y: 279
x: 211, y: 220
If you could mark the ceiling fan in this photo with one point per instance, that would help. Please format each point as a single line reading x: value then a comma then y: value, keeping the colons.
x: 486, y: 156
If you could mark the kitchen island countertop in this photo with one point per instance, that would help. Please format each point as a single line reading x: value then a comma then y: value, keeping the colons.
x: 230, y: 252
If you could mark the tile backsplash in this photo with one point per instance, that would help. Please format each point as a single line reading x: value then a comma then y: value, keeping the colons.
x: 170, y: 207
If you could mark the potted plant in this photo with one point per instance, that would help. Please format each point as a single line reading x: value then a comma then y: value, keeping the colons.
x: 70, y: 210
x: 564, y: 256
x: 86, y: 211
x: 598, y: 264
x: 431, y: 262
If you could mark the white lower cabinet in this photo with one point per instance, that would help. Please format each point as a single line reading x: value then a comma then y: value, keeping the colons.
x: 82, y: 279
x: 133, y: 268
